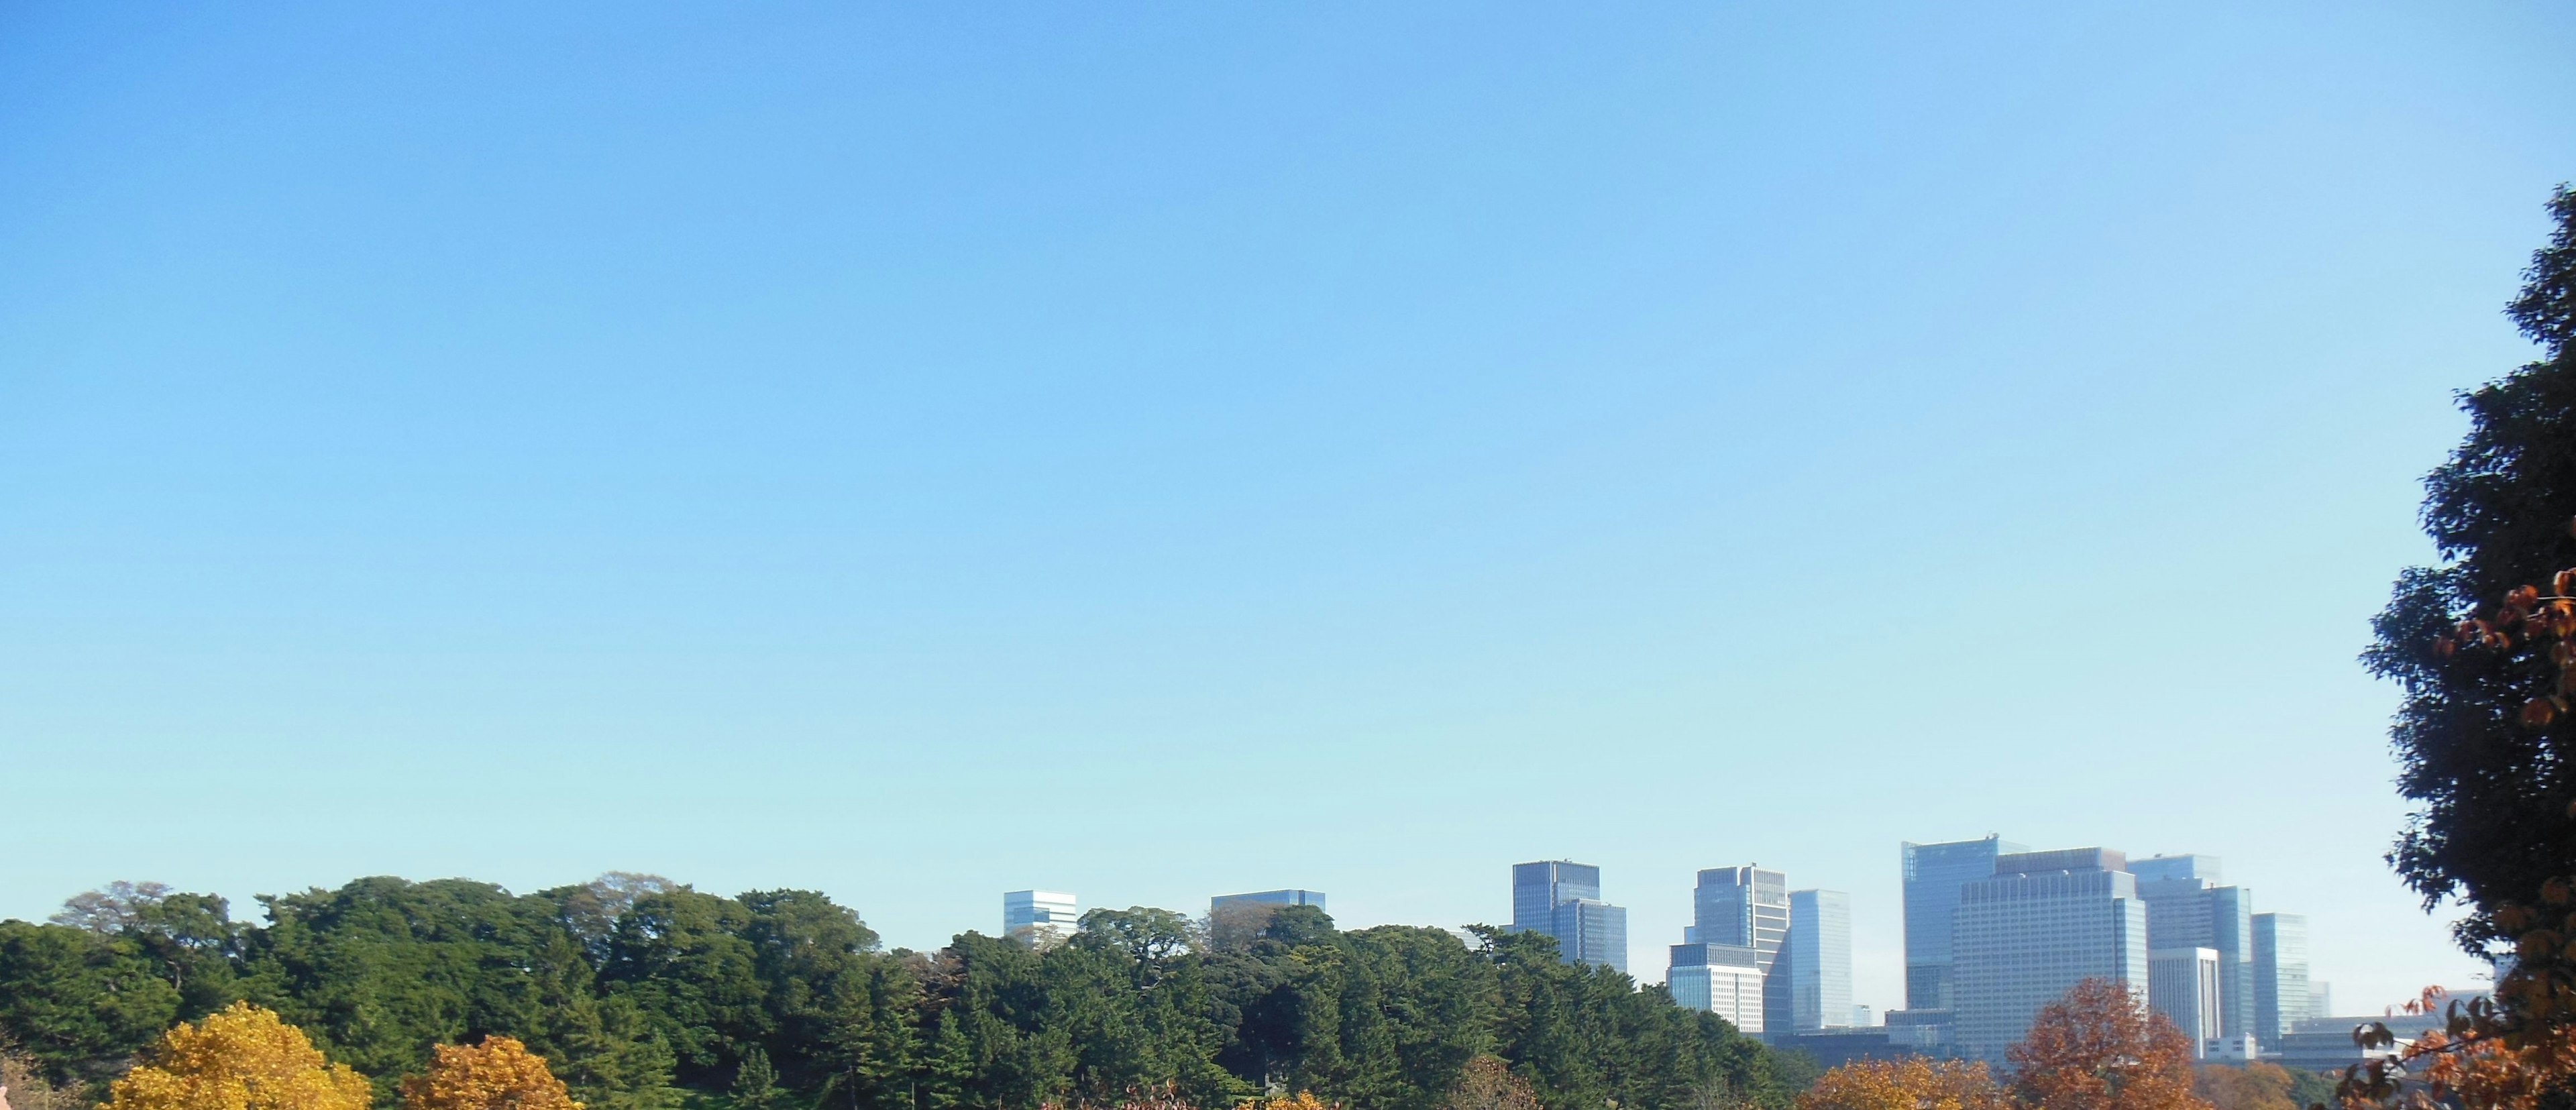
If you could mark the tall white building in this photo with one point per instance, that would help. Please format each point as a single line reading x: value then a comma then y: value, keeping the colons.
x: 1039, y: 917
x: 1722, y: 979
x: 2024, y: 936
x: 2182, y: 984
x: 1816, y: 959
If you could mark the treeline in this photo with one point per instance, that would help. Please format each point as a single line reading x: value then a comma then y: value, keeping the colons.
x: 645, y: 995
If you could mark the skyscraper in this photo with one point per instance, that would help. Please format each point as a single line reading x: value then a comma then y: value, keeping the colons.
x: 2043, y: 922
x: 1933, y: 874
x: 1722, y: 979
x: 1747, y: 907
x: 1039, y: 917
x: 2182, y: 984
x: 1562, y: 899
x: 2280, y: 976
x: 2188, y: 908
x: 1816, y: 962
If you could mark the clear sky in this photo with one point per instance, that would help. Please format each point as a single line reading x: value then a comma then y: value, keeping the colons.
x: 922, y: 451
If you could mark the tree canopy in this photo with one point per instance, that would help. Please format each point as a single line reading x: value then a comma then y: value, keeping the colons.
x: 644, y: 994
x: 2484, y: 738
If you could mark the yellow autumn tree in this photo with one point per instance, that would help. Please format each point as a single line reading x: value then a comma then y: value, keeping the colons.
x: 1909, y: 1084
x: 499, y: 1074
x: 243, y: 1058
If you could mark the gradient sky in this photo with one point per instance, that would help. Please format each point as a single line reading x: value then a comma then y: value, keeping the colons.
x: 1160, y: 451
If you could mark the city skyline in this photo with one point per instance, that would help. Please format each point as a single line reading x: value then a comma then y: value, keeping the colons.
x: 840, y: 448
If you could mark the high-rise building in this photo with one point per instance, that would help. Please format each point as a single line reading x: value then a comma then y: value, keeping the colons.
x: 2187, y: 907
x: 2280, y: 976
x: 1592, y: 931
x: 2320, y: 1001
x: 1747, y: 906
x: 1722, y: 979
x: 1538, y: 887
x: 2043, y: 922
x: 1816, y: 962
x: 1313, y: 898
x: 1039, y: 917
x: 1933, y: 875
x: 2182, y: 984
x: 1562, y: 899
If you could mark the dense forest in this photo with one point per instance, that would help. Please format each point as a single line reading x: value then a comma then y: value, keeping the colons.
x: 645, y: 994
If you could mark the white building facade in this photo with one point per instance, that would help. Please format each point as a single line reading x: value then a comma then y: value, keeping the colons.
x: 1039, y: 917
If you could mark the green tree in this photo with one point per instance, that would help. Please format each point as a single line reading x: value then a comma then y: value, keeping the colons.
x: 381, y: 969
x: 2485, y: 744
x: 79, y: 1002
x: 684, y: 959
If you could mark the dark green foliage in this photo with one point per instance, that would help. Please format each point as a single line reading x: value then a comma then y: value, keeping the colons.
x: 646, y: 995
x: 2492, y: 820
x: 78, y: 1001
x: 2308, y: 1088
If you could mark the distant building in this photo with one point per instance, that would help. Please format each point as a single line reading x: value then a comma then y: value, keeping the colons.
x: 2320, y: 1000
x: 2182, y: 984
x: 1933, y: 875
x: 1834, y: 1048
x: 1924, y: 1032
x: 1562, y: 899
x: 1816, y: 961
x: 2043, y: 922
x: 1863, y: 1017
x: 1722, y: 979
x: 2231, y: 1050
x: 2280, y: 975
x: 2187, y: 907
x: 2324, y: 1044
x: 1747, y: 906
x: 1313, y: 898
x: 1039, y: 917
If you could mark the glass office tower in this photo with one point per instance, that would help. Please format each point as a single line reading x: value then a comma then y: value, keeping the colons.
x: 1816, y: 960
x: 2188, y: 908
x: 2280, y: 976
x: 1747, y: 907
x: 2043, y: 922
x: 1562, y: 899
x: 1933, y: 874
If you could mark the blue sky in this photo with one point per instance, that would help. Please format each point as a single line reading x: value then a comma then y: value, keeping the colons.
x: 1161, y: 451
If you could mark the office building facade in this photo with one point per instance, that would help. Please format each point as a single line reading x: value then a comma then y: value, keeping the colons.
x: 2189, y: 907
x: 1562, y: 899
x: 2024, y: 936
x: 1313, y: 898
x: 1722, y: 979
x: 2182, y: 984
x: 1815, y: 961
x: 1933, y: 874
x: 1039, y: 917
x: 1747, y: 906
x: 2280, y: 976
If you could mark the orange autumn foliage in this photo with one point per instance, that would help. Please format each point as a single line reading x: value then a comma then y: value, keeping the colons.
x: 499, y: 1074
x: 242, y: 1058
x: 2100, y: 1048
x: 1910, y: 1084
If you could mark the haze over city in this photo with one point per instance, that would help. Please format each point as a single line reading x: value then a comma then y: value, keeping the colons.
x: 1163, y: 452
